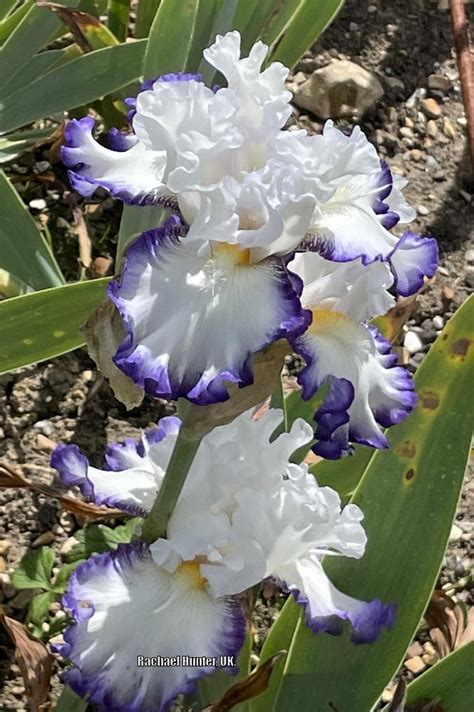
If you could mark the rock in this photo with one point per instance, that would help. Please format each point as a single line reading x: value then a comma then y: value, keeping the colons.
x: 37, y: 204
x: 422, y: 210
x: 431, y: 128
x: 67, y: 546
x: 431, y: 163
x: 353, y: 27
x: 44, y: 426
x: 431, y: 108
x: 469, y: 278
x: 413, y: 343
x: 415, y: 665
x: 22, y: 599
x: 430, y: 656
x: 395, y: 84
x: 41, y: 166
x: 339, y: 89
x: 462, y: 121
x: 448, y: 129
x: 45, y: 443
x: 414, y: 650
x: 456, y: 533
x: 416, y: 155
x: 43, y: 540
x: 470, y: 256
x: 406, y: 132
x: 5, y: 545
x: 439, y: 83
x: 438, y: 322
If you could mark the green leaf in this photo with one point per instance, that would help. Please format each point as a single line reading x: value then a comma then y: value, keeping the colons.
x: 34, y: 31
x: 35, y: 569
x: 171, y: 37
x: 98, y: 538
x: 64, y: 574
x: 23, y: 250
x: 14, y: 144
x: 409, y: 496
x: 118, y: 12
x: 307, y: 21
x: 146, y: 11
x: 39, y: 607
x: 78, y: 82
x: 36, y: 67
x: 42, y: 325
x: 135, y: 220
x: 6, y: 6
x: 450, y: 682
x: 70, y: 702
x: 10, y: 23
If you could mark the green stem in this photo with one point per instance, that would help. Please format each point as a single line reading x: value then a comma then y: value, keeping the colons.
x: 178, y: 467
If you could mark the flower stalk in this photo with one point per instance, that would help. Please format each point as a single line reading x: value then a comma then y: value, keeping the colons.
x: 181, y: 460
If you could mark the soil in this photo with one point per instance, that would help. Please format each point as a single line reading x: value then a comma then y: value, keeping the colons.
x: 64, y: 400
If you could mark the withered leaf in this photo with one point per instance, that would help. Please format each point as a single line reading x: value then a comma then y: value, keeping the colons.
x: 446, y: 621
x: 104, y: 332
x: 76, y: 21
x: 33, y: 659
x: 399, y: 698
x: 11, y: 478
x: 254, y: 684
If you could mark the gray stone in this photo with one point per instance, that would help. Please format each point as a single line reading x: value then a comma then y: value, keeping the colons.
x: 37, y: 204
x: 439, y: 83
x: 422, y: 210
x: 438, y: 322
x: 469, y: 278
x: 470, y: 256
x: 339, y: 89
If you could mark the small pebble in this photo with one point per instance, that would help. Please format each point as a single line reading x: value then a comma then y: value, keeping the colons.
x: 44, y: 426
x: 37, y: 204
x: 43, y: 540
x: 448, y: 129
x: 438, y: 322
x: 431, y: 128
x: 353, y: 27
x: 469, y: 278
x: 456, y: 533
x: 422, y: 210
x: 439, y: 83
x: 5, y: 545
x: 416, y: 155
x: 431, y: 108
x: 470, y: 256
x: 41, y: 166
x: 462, y: 121
x: 415, y: 665
x: 412, y: 343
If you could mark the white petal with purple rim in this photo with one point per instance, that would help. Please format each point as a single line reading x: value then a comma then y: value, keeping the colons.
x: 126, y: 609
x: 195, y: 319
x: 134, y: 175
x: 413, y: 258
x: 360, y: 360
x: 357, y: 290
x: 137, y: 469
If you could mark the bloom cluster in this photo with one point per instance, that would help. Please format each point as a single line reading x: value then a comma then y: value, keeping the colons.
x: 245, y: 513
x: 272, y: 234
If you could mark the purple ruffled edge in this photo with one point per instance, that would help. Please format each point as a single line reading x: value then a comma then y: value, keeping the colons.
x: 91, y: 687
x: 408, y: 281
x: 147, y: 85
x: 389, y: 217
x: 334, y: 431
x: 366, y: 625
x: 156, y: 379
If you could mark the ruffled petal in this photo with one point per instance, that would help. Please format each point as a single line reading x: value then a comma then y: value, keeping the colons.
x: 354, y: 355
x: 194, y: 320
x: 133, y: 174
x: 136, y: 469
x: 413, y: 258
x: 326, y: 608
x: 127, y: 612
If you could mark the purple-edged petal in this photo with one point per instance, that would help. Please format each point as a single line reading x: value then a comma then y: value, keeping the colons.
x: 134, y: 175
x: 195, y: 317
x: 121, y: 141
x: 136, y: 469
x: 127, y: 610
x: 326, y: 608
x: 339, y: 349
x: 413, y: 258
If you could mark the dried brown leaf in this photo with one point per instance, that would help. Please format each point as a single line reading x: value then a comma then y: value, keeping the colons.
x: 75, y: 21
x: 104, y: 332
x: 399, y: 697
x: 85, y: 249
x: 251, y: 686
x: 468, y: 634
x: 33, y: 659
x: 446, y: 621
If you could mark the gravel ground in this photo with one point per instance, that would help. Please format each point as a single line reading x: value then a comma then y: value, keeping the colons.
x: 403, y: 43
